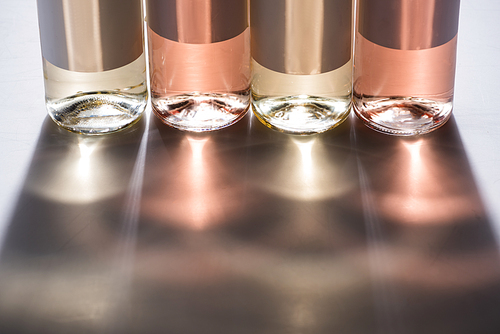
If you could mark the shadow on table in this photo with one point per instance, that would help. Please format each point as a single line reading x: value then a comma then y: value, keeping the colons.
x: 248, y: 230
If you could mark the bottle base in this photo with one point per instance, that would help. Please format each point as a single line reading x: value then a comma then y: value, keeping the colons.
x: 301, y: 114
x: 200, y: 112
x: 402, y: 116
x: 98, y: 112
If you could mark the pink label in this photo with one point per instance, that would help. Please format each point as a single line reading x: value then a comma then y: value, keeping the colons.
x: 216, y: 67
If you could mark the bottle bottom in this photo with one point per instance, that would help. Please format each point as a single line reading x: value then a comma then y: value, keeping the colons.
x: 97, y: 112
x: 199, y: 112
x: 402, y: 116
x: 301, y: 114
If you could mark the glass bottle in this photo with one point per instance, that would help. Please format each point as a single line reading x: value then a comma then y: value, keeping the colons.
x: 199, y: 62
x: 94, y: 64
x: 301, y: 63
x: 404, y: 67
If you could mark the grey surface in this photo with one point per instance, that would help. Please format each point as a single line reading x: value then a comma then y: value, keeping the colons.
x: 247, y: 230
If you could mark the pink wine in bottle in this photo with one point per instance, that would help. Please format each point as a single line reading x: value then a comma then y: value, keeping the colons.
x: 200, y: 62
x: 404, y: 64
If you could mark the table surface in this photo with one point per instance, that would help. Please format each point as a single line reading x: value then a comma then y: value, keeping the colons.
x: 247, y: 230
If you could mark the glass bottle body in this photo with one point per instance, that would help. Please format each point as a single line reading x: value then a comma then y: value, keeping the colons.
x: 301, y: 104
x: 94, y: 64
x: 200, y: 87
x: 301, y: 63
x: 403, y: 92
x: 404, y: 80
x: 96, y: 102
x: 199, y: 54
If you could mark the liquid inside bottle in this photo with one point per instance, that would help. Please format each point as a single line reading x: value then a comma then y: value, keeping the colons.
x: 98, y: 102
x: 200, y: 63
x: 301, y: 104
x: 301, y: 66
x: 94, y: 64
x: 404, y: 73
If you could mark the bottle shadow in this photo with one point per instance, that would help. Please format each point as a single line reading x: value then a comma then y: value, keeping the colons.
x: 73, y: 179
x: 63, y: 263
x: 249, y: 230
x: 431, y: 249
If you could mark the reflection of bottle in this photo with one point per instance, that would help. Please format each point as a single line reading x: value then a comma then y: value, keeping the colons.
x: 200, y: 62
x: 404, y: 67
x: 301, y: 52
x: 94, y: 66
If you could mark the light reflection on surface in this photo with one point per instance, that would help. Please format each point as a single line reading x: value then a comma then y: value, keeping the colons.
x: 79, y: 172
x: 84, y: 167
x: 196, y: 193
x: 198, y: 185
x: 303, y: 170
x: 425, y: 188
x: 306, y: 175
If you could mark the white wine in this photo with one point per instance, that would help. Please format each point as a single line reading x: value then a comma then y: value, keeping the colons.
x: 301, y: 103
x: 96, y: 102
x: 94, y: 63
x: 301, y: 63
